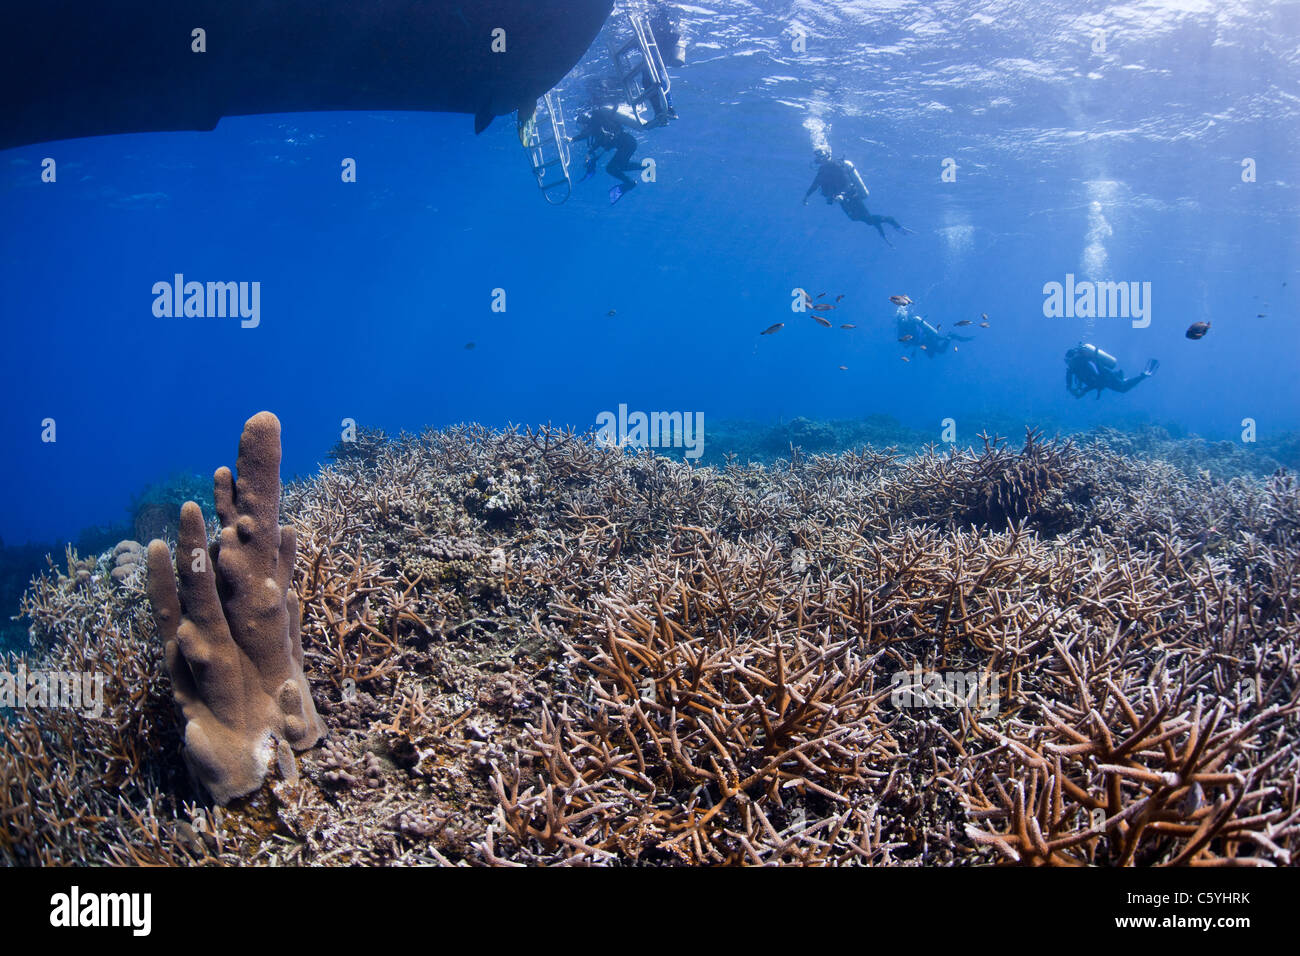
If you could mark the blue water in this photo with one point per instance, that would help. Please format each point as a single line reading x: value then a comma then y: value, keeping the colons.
x: 1124, y: 165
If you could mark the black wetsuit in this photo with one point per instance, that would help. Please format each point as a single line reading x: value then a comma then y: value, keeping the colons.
x: 666, y: 26
x: 836, y: 181
x: 1084, y: 373
x: 603, y: 131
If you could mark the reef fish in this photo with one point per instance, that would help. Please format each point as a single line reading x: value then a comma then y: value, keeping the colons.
x: 904, y: 338
x: 1197, y: 330
x: 905, y: 358
x: 848, y: 325
x: 965, y: 322
x: 822, y: 322
x: 841, y: 295
x: 773, y: 328
x: 900, y: 299
x: 844, y: 368
x: 823, y: 307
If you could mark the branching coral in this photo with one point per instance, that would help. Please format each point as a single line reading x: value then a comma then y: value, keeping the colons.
x: 530, y: 649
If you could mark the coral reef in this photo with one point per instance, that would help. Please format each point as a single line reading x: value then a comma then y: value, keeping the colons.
x: 156, y: 511
x: 528, y: 649
x: 129, y: 558
x: 231, y: 632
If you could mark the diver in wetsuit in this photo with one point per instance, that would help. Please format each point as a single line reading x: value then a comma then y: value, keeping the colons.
x: 666, y: 29
x: 839, y: 181
x: 666, y: 23
x: 605, y: 128
x: 1088, y: 367
x: 925, y: 334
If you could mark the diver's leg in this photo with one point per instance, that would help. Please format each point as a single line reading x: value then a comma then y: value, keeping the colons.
x: 854, y: 210
x: 1121, y: 384
x: 622, y: 162
x: 876, y: 221
x: 618, y: 167
x: 896, y: 224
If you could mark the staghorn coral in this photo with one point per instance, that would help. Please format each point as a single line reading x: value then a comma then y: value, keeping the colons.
x: 643, y: 662
x: 231, y: 633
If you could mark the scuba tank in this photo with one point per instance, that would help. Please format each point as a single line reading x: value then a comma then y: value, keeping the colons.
x: 856, y: 179
x: 1103, y: 359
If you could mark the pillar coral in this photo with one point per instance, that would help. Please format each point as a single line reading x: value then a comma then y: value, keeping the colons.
x: 231, y: 630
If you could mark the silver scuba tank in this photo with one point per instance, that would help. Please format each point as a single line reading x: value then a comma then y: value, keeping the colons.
x: 1103, y: 359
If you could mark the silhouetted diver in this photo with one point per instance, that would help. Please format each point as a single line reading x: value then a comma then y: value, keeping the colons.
x: 840, y: 181
x: 1088, y: 367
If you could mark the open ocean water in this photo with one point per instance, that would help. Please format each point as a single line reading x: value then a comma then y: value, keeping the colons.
x: 1107, y: 142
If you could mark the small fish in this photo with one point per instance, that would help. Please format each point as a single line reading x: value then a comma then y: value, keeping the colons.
x: 771, y: 329
x: 468, y: 346
x: 965, y: 322
x: 905, y: 338
x: 840, y: 296
x: 848, y: 325
x: 825, y: 323
x: 984, y: 325
x: 821, y: 295
x: 1197, y: 330
x: 938, y: 326
x: 905, y: 358
x: 984, y: 316
x: 900, y: 300
x: 611, y: 313
x: 844, y: 368
x: 823, y: 307
x: 1262, y: 315
x: 924, y: 349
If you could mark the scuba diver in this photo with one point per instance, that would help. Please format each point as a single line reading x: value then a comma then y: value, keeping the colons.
x: 666, y: 23
x: 926, y: 336
x: 606, y: 128
x: 1088, y: 367
x: 840, y: 182
x: 665, y: 28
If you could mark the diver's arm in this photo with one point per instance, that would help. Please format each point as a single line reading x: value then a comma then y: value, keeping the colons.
x: 817, y: 181
x: 1075, y: 385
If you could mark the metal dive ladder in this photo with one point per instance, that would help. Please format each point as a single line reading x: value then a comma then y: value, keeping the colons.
x: 637, y: 56
x: 547, y: 143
